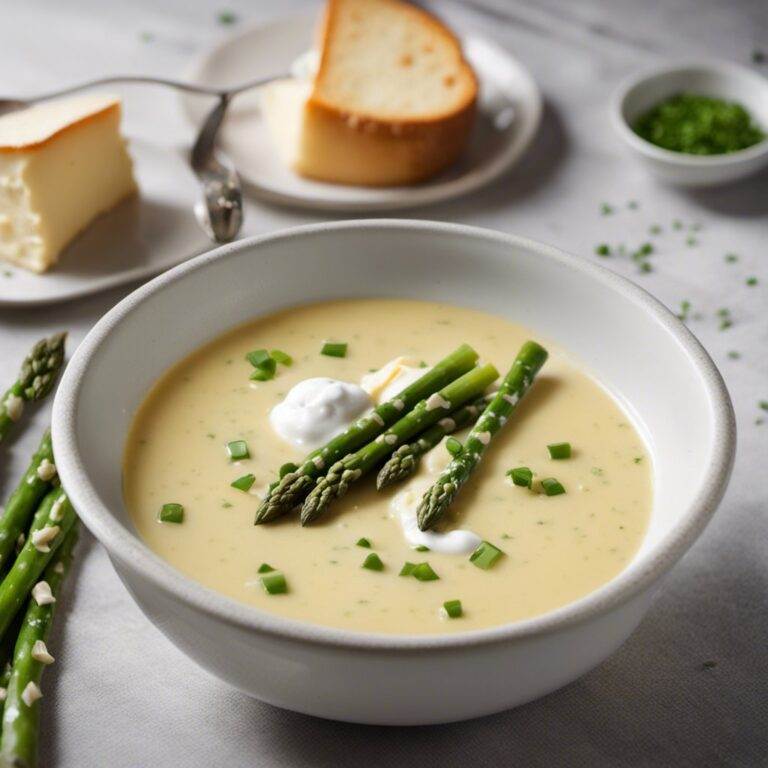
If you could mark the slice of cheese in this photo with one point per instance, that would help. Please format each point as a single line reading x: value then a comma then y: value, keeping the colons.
x: 62, y: 163
x: 392, y: 100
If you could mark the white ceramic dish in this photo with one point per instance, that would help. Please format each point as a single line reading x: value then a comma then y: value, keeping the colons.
x: 709, y: 78
x: 614, y: 328
x: 508, y: 95
x: 138, y: 239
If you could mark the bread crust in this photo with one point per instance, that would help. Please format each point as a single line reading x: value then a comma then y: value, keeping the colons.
x: 388, y: 151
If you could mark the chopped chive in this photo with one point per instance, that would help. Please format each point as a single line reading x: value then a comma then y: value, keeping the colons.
x: 452, y: 608
x: 227, y: 17
x: 685, y: 310
x: 238, y: 450
x: 633, y: 205
x: 646, y: 249
x: 646, y: 266
x: 731, y: 258
x: 274, y: 583
x: 244, y: 483
x: 521, y: 476
x: 407, y: 569
x: 363, y: 542
x: 691, y: 240
x: 334, y: 349
x: 264, y: 372
x: 265, y: 568
x: 373, y: 562
x: 286, y: 468
x: 424, y: 572
x: 763, y: 405
x: 603, y: 249
x: 751, y: 281
x: 552, y: 487
x: 281, y: 357
x: 734, y: 355
x: 171, y: 513
x: 453, y: 446
x: 725, y: 323
x: 654, y: 229
x: 677, y: 224
x: 422, y: 548
x: 638, y: 459
x: 258, y: 357
x: 485, y: 556
x: 559, y: 450
x: 606, y: 209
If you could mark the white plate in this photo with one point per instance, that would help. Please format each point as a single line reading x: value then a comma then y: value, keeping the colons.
x: 139, y: 238
x: 507, y: 90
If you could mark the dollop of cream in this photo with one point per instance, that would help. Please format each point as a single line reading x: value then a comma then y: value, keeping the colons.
x: 392, y: 378
x: 405, y: 503
x: 316, y: 410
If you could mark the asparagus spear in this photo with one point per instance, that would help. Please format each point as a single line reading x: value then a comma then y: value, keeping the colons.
x: 36, y: 379
x: 438, y: 498
x: 291, y: 489
x: 24, y: 500
x: 427, y: 412
x: 18, y: 746
x: 405, y: 460
x: 54, y: 518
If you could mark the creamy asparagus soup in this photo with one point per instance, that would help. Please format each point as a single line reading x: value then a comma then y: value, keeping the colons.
x: 480, y: 481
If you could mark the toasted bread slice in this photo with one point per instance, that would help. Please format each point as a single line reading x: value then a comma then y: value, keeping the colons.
x: 393, y: 100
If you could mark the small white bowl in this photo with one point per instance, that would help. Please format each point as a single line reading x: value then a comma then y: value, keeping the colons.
x: 636, y: 347
x: 708, y: 78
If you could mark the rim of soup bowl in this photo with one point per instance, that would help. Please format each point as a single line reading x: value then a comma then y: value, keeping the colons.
x: 638, y: 576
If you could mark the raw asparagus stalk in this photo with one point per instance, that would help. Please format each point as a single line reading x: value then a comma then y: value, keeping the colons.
x: 438, y: 498
x: 18, y: 746
x: 54, y: 518
x: 405, y: 460
x: 291, y: 489
x: 427, y: 412
x: 36, y: 379
x: 24, y: 500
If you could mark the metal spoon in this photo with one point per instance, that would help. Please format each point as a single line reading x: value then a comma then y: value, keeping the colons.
x: 220, y: 211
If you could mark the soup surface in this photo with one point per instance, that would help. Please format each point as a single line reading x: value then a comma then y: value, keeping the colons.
x: 557, y: 548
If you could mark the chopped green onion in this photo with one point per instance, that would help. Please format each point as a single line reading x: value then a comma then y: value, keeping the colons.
x: 244, y: 483
x: 731, y: 258
x: 606, y: 209
x: 373, y: 562
x: 453, y: 608
x: 422, y: 548
x: 751, y: 281
x: 485, y: 556
x: 407, y: 569
x: 281, y: 357
x: 171, y: 513
x: 286, y: 468
x: 265, y: 371
x: 521, y: 476
x: 366, y: 543
x: 424, y: 572
x: 552, y: 487
x: 274, y: 583
x: 258, y: 358
x: 265, y: 568
x: 763, y: 405
x: 603, y: 249
x: 238, y: 450
x: 331, y: 349
x: 559, y: 450
x: 453, y: 446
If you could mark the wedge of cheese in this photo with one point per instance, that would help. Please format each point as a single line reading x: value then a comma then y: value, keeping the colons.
x: 62, y: 163
x: 392, y: 101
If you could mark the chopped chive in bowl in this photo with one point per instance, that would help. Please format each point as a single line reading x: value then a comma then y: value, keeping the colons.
x: 334, y: 349
x: 238, y: 450
x: 521, y: 476
x: 244, y: 483
x: 363, y: 542
x: 424, y: 572
x: 373, y: 562
x: 486, y: 555
x: 265, y: 568
x: 552, y: 487
x: 559, y: 450
x: 453, y: 609
x: 274, y: 583
x: 171, y: 513
x: 281, y: 357
x: 407, y: 569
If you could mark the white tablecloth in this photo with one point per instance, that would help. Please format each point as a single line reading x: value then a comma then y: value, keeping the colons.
x: 121, y: 695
